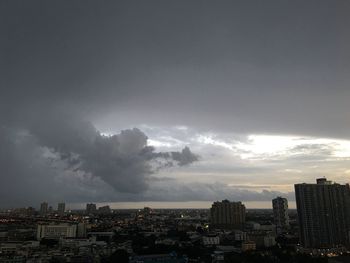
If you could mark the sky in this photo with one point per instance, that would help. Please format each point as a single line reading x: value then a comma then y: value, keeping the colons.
x: 171, y: 102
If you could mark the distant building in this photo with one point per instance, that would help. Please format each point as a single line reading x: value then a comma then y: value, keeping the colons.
x: 146, y: 211
x: 251, y: 225
x: 261, y: 238
x: 210, y: 240
x: 81, y: 230
x: 323, y: 213
x: 248, y: 245
x: 44, y: 207
x: 56, y: 231
x: 30, y: 211
x: 269, y: 241
x: 161, y: 258
x: 91, y: 209
x: 20, y: 234
x: 106, y: 236
x: 9, y: 248
x: 61, y: 208
x: 227, y: 215
x: 240, y: 235
x: 280, y: 214
x: 104, y: 209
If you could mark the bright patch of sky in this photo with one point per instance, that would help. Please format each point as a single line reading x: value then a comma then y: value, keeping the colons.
x: 254, y: 162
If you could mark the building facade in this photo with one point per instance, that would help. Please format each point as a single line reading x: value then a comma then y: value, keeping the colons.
x: 91, y: 209
x: 323, y: 214
x: 104, y: 209
x: 248, y: 245
x: 280, y: 214
x: 227, y: 215
x: 56, y: 231
x: 44, y: 208
x: 211, y: 240
x: 61, y: 208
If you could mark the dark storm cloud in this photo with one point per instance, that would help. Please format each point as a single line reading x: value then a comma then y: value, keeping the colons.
x: 50, y: 89
x: 68, y: 67
x: 182, y: 158
x: 233, y: 63
x: 42, y: 156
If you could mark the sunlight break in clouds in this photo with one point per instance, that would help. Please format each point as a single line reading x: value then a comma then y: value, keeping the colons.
x: 257, y: 161
x: 262, y: 145
x: 259, y: 145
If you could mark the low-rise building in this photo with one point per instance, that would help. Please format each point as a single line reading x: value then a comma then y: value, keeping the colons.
x: 211, y: 240
x: 240, y: 235
x: 269, y: 241
x: 248, y: 245
x: 56, y: 231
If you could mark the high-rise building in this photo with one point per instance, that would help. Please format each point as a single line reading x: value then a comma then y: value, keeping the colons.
x: 227, y: 215
x: 104, y: 209
x: 323, y: 213
x: 90, y: 209
x: 61, y: 208
x: 44, y: 208
x: 280, y: 214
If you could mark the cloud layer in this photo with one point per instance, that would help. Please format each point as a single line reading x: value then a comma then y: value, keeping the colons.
x: 250, y: 87
x: 50, y: 152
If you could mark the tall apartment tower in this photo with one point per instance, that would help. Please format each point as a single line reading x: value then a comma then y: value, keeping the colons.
x: 91, y: 209
x: 280, y: 214
x: 323, y: 213
x: 44, y: 207
x: 61, y: 208
x: 227, y: 215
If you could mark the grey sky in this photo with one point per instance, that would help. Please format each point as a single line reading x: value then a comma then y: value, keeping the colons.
x: 209, y: 75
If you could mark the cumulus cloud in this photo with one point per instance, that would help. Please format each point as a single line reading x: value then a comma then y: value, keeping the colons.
x: 184, y: 157
x: 56, y: 149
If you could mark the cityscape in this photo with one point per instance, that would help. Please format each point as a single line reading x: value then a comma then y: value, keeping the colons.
x: 318, y: 231
x: 174, y: 131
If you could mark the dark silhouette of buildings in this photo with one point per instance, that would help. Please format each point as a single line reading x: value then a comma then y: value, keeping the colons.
x: 44, y: 208
x: 91, y: 209
x: 227, y: 215
x: 280, y: 214
x: 104, y: 209
x: 323, y: 213
x: 61, y: 208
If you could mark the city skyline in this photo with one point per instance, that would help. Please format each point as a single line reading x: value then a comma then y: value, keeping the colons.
x: 318, y: 229
x: 171, y: 102
x: 279, y: 204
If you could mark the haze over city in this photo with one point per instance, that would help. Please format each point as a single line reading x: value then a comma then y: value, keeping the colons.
x: 171, y: 103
